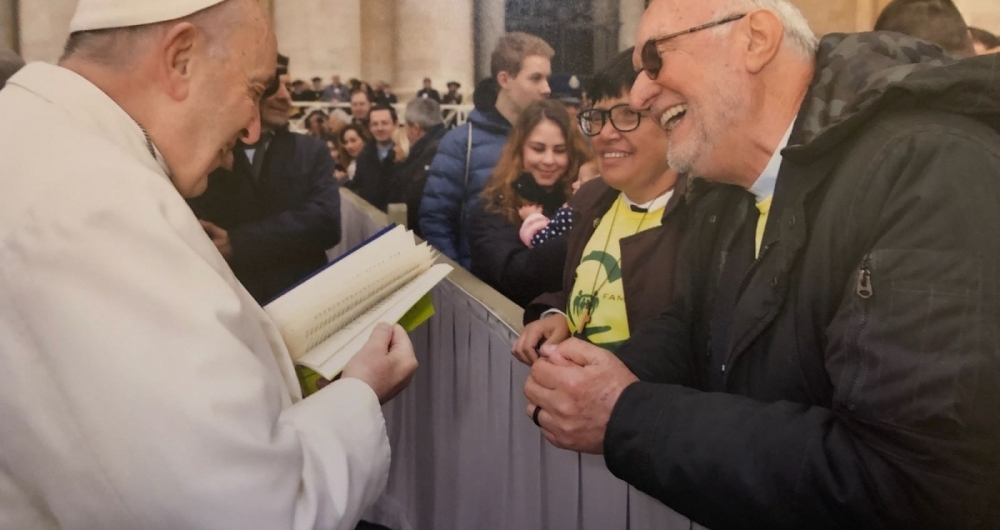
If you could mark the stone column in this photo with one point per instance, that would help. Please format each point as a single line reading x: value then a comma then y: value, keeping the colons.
x: 434, y: 39
x: 379, y: 45
x: 321, y: 40
x: 491, y: 24
x: 43, y: 28
x: 8, y: 25
x: 629, y: 14
x: 607, y: 32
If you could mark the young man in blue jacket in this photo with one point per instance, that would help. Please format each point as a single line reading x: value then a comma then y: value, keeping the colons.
x: 520, y: 66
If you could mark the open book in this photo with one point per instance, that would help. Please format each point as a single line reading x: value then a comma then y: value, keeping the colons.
x: 327, y: 318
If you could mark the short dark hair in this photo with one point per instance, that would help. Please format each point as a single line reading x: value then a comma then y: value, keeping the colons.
x: 935, y: 21
x: 362, y: 91
x: 381, y: 106
x: 320, y: 79
x: 985, y: 38
x: 614, y: 79
x: 314, y: 114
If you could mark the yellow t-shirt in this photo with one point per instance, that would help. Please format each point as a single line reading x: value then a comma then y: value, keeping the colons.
x: 600, y: 271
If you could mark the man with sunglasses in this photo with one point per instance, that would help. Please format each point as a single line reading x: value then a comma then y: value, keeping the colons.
x: 626, y: 227
x: 276, y: 211
x: 832, y: 356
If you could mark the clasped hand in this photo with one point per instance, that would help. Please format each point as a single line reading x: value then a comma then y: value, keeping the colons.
x: 577, y: 385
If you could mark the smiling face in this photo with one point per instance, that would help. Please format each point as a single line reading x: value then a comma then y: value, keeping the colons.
x: 275, y: 110
x: 630, y: 160
x: 224, y: 102
x: 699, y: 93
x: 382, y: 126
x: 545, y: 153
x: 353, y: 143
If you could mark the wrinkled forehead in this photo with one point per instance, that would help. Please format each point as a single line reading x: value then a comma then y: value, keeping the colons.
x: 664, y: 17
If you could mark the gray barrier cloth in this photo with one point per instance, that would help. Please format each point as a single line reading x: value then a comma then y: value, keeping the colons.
x: 464, y: 453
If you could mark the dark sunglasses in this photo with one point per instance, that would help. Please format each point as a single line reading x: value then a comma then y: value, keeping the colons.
x: 652, y: 61
x: 622, y: 118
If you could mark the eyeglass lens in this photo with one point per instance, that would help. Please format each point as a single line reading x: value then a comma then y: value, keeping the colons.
x: 622, y: 118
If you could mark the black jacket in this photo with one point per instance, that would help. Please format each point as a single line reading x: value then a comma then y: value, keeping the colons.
x: 429, y: 93
x: 501, y: 259
x: 409, y: 176
x: 281, y: 225
x: 862, y: 380
x: 372, y: 176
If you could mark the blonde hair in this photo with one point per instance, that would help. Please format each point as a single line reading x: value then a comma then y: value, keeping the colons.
x: 513, y: 48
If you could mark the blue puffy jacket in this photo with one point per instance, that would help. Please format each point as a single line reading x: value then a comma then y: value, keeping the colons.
x: 446, y: 194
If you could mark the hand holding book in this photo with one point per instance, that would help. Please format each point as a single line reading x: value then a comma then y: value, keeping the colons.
x: 333, y: 315
x: 386, y: 362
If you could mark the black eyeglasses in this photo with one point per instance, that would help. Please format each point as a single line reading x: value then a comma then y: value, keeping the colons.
x: 622, y: 118
x: 652, y: 62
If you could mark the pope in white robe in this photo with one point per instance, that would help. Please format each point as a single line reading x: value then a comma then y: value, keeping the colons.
x: 140, y: 385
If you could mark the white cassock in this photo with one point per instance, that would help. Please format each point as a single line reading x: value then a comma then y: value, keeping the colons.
x: 140, y: 385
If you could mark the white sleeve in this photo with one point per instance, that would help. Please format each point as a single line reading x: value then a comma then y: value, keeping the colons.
x: 134, y: 392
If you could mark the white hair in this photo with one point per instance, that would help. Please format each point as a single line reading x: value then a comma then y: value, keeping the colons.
x: 797, y: 31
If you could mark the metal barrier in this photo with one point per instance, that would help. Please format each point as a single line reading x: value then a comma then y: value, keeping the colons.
x: 454, y: 115
x: 464, y: 454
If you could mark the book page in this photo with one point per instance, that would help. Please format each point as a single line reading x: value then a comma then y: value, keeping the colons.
x: 316, y: 290
x: 329, y: 358
x: 315, y: 310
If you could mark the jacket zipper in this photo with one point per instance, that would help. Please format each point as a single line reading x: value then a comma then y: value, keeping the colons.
x: 753, y: 269
x: 739, y: 294
x: 865, y: 290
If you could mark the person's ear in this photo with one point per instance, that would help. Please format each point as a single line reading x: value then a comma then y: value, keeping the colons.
x: 764, y: 32
x: 177, y: 53
x: 504, y: 79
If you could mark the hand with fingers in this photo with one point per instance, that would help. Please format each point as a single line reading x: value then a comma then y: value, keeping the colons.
x: 551, y: 330
x: 386, y: 362
x: 571, y: 392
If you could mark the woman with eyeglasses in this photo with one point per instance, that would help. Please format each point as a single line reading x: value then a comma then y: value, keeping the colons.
x: 627, y: 226
x: 534, y: 175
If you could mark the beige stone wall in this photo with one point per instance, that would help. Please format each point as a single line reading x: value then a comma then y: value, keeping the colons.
x: 44, y: 28
x: 981, y: 13
x: 325, y: 36
x: 827, y: 16
x: 8, y: 25
x: 433, y: 38
x: 320, y: 40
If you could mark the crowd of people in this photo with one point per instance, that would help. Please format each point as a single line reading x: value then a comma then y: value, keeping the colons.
x: 759, y: 269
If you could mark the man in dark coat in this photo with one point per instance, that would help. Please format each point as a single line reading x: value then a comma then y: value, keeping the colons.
x: 377, y: 160
x: 274, y: 214
x: 428, y: 91
x: 832, y: 357
x: 424, y: 130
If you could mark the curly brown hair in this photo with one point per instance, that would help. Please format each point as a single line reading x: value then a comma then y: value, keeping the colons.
x: 499, y: 194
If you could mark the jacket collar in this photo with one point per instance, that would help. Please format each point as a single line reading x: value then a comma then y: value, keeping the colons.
x: 91, y: 108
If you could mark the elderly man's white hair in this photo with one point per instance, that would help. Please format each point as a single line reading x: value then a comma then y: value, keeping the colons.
x: 800, y: 36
